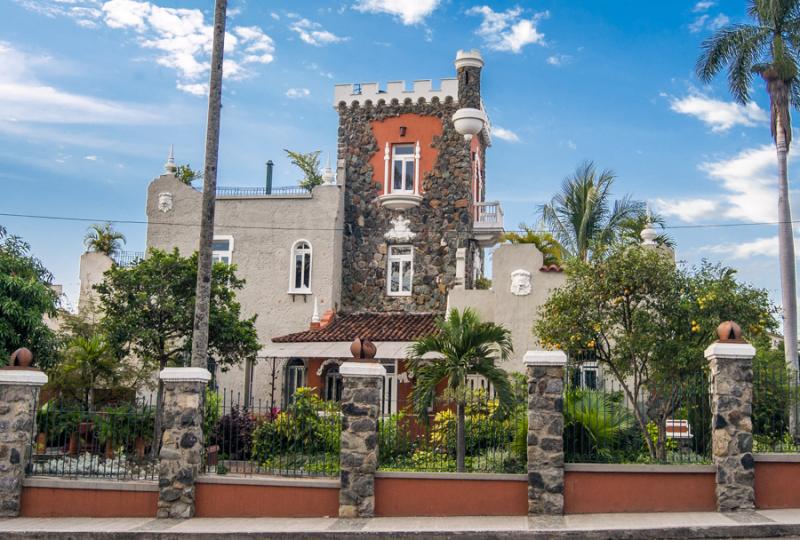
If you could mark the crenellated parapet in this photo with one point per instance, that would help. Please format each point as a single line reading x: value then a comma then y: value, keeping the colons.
x: 360, y: 93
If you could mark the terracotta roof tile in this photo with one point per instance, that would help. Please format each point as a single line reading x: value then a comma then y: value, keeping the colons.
x: 551, y: 268
x: 391, y: 326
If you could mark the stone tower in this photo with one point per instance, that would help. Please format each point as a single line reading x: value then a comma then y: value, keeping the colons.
x: 413, y: 191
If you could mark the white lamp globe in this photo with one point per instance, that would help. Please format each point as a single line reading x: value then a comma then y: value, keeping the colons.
x: 469, y: 122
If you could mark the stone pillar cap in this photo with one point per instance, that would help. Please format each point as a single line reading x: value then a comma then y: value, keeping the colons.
x: 544, y: 358
x: 362, y: 369
x: 185, y: 374
x: 22, y: 377
x: 730, y: 350
x: 471, y: 58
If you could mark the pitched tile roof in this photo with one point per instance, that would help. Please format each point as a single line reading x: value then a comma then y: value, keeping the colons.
x: 391, y: 326
x: 551, y: 268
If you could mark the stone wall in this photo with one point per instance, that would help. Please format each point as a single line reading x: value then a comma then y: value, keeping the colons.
x: 442, y: 222
x: 361, y: 397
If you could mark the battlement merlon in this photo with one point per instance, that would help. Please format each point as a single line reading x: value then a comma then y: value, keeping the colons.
x: 363, y: 92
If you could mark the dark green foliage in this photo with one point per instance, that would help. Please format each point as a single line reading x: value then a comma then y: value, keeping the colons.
x: 307, y: 162
x: 102, y: 238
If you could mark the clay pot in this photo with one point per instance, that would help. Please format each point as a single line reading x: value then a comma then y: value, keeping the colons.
x: 729, y: 331
x: 140, y: 447
x: 72, y: 449
x: 212, y: 453
x: 363, y: 349
x: 22, y: 357
x: 41, y: 443
x: 109, y: 451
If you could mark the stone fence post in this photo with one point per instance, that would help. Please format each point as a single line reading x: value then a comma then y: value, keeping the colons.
x: 545, y: 370
x: 731, y: 360
x: 181, y: 453
x: 361, y: 406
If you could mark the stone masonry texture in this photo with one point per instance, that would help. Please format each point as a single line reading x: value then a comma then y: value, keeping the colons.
x: 442, y: 222
x: 545, y: 440
x: 181, y: 448
x: 17, y: 406
x: 359, y: 453
x: 732, y: 432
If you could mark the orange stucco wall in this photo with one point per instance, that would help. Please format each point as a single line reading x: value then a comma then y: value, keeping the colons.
x: 450, y: 497
x: 777, y: 485
x: 238, y: 500
x: 418, y: 128
x: 56, y: 502
x: 606, y: 492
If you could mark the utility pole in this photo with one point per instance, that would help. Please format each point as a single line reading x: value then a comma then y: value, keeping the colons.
x: 203, y: 291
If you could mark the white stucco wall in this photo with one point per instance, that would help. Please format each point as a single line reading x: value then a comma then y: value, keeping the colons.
x: 92, y: 267
x: 517, y: 313
x: 264, y: 230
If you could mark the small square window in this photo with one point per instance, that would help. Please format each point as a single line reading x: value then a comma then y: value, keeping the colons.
x: 222, y: 249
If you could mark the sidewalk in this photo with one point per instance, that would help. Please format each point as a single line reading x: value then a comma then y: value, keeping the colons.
x: 762, y: 524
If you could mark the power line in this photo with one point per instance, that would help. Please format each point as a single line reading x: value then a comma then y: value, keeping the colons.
x: 293, y: 228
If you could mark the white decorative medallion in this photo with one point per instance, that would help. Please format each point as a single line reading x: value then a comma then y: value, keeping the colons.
x: 165, y: 201
x: 520, y: 282
x: 400, y: 231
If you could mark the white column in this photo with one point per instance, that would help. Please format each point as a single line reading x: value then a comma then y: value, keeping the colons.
x: 386, y: 158
x: 416, y: 170
x: 461, y: 267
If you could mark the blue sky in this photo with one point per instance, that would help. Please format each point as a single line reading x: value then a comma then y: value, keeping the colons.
x: 93, y: 92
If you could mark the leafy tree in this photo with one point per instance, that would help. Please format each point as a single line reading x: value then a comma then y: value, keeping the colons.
x: 102, y: 238
x: 87, y: 363
x: 308, y: 163
x: 26, y: 296
x: 463, y: 345
x: 769, y: 48
x: 187, y: 175
x: 545, y: 242
x: 648, y: 322
x: 582, y: 216
x: 630, y: 229
x: 149, y: 313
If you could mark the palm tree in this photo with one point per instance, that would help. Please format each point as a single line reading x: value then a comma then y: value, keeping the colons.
x: 630, y: 229
x: 102, y: 238
x: 463, y: 345
x: 582, y: 216
x: 544, y: 242
x: 87, y: 363
x: 769, y: 48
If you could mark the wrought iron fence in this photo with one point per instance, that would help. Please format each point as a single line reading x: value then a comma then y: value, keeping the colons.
x: 776, y: 404
x: 258, y: 438
x: 127, y: 258
x: 282, y: 191
x: 494, y: 440
x: 113, y: 442
x: 608, y: 422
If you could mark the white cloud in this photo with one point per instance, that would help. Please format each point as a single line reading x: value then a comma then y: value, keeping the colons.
x: 507, y: 30
x: 766, y: 247
x: 90, y: 158
x: 313, y: 33
x: 408, y: 11
x: 688, y: 210
x: 558, y: 59
x: 703, y: 5
x: 718, y: 22
x: 698, y: 24
x: 181, y: 38
x: 25, y: 99
x: 706, y: 22
x: 719, y: 115
x: 504, y: 134
x: 297, y: 93
x: 571, y: 144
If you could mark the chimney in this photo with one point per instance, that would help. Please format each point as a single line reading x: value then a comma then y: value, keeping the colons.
x: 468, y: 71
x: 269, y: 176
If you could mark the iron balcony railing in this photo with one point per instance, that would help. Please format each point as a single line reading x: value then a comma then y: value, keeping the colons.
x: 284, y: 191
x: 488, y: 215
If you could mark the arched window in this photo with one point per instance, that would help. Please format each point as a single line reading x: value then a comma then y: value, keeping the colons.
x: 333, y: 383
x: 295, y: 378
x: 300, y: 271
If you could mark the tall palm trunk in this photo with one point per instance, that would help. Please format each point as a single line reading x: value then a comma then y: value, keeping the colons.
x: 203, y: 291
x: 779, y: 102
x: 461, y: 444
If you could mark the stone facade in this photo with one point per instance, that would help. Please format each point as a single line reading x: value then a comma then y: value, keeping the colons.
x: 361, y: 400
x: 181, y: 453
x: 18, y: 394
x: 545, y: 432
x: 443, y: 221
x: 732, y: 425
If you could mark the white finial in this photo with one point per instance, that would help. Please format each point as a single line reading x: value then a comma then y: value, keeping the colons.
x: 649, y: 234
x: 169, y: 166
x: 327, y: 175
x: 315, y: 316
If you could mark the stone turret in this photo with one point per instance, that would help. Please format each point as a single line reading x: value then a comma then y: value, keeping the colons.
x: 468, y: 69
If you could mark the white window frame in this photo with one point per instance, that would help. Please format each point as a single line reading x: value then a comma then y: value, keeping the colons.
x: 293, y: 289
x: 217, y: 255
x: 295, y: 373
x: 391, y: 257
x: 409, y: 158
x: 589, y: 367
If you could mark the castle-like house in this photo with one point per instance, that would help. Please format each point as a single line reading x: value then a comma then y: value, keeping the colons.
x: 374, y: 252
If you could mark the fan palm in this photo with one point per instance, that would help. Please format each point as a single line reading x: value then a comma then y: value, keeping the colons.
x: 769, y: 48
x: 582, y: 216
x: 463, y: 345
x: 102, y: 238
x: 544, y: 242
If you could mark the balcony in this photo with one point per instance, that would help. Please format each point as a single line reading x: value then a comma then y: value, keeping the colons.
x: 488, y: 225
x: 286, y: 192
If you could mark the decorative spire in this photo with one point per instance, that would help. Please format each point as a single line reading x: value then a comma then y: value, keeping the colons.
x: 169, y: 166
x: 327, y: 174
x: 315, y: 316
x: 649, y: 234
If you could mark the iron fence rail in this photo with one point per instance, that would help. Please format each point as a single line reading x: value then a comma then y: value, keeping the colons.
x: 776, y: 409
x: 255, y: 191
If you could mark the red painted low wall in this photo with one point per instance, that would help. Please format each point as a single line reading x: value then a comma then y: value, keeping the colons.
x: 777, y: 484
x: 607, y: 492
x: 243, y: 500
x: 399, y: 497
x: 57, y: 502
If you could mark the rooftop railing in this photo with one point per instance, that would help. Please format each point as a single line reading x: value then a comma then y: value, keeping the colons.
x: 488, y: 214
x: 127, y: 258
x: 284, y: 191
